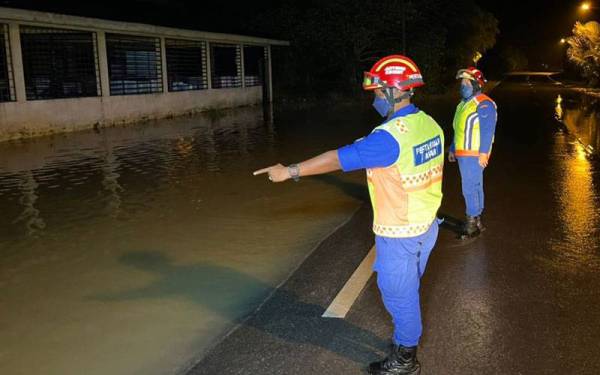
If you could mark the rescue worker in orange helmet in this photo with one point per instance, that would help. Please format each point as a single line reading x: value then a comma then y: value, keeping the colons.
x: 403, y: 158
x: 474, y: 127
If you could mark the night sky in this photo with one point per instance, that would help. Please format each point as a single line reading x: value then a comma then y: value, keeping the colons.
x: 533, y: 26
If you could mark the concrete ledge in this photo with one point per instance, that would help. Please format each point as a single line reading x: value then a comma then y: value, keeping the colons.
x: 42, y: 117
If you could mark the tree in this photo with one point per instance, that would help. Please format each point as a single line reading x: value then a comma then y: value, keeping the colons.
x: 584, y: 50
x: 473, y: 31
x: 333, y: 42
x: 514, y: 58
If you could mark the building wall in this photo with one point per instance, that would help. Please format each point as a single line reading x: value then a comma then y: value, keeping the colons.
x: 39, y: 117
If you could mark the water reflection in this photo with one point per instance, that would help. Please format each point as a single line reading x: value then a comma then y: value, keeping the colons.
x: 184, y: 147
x: 30, y: 216
x: 558, y: 110
x: 220, y: 288
x: 207, y: 142
x: 575, y: 191
x: 153, y: 157
x: 475, y: 302
x: 110, y: 166
x: 581, y: 116
x: 269, y: 120
x: 217, y: 287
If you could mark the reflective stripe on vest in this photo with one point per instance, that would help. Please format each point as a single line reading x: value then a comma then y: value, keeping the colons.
x: 406, y: 195
x: 467, y: 135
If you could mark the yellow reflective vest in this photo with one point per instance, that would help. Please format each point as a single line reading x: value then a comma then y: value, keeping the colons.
x: 406, y: 195
x: 467, y: 136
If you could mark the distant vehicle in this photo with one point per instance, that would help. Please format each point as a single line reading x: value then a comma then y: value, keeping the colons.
x: 531, y: 79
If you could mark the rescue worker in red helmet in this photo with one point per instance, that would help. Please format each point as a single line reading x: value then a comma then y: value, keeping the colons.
x: 474, y: 127
x: 403, y: 158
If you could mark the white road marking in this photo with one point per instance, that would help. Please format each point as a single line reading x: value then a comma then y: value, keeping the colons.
x: 346, y: 297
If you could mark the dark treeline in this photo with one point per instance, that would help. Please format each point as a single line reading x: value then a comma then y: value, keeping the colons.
x: 332, y: 42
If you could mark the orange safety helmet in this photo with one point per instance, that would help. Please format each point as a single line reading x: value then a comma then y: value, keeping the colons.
x: 395, y: 71
x: 472, y: 74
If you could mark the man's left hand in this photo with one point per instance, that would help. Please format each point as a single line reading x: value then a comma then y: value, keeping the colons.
x: 484, y: 159
x: 276, y: 173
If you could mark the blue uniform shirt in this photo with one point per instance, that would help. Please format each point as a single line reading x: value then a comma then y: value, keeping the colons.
x: 377, y: 150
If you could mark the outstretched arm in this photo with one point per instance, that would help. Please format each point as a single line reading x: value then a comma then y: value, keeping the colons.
x: 324, y: 163
x: 379, y: 149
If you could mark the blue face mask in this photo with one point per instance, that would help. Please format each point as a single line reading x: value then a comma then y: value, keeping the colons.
x: 382, y: 106
x: 466, y: 91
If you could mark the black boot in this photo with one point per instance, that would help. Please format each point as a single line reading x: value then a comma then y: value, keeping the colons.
x: 402, y: 361
x: 470, y: 228
x: 479, y: 223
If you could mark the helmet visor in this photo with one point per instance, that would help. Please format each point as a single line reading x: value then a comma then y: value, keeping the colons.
x: 371, y: 81
x: 463, y: 73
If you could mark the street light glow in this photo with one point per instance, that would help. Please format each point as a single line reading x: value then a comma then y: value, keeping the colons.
x: 563, y: 41
x: 586, y: 6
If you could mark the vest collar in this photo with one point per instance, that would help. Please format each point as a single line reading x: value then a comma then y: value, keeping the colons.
x: 405, y: 111
x: 475, y: 95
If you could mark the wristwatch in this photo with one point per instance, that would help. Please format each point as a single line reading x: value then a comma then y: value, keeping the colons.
x: 294, y: 171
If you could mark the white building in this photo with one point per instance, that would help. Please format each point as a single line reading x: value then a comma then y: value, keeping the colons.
x: 61, y: 73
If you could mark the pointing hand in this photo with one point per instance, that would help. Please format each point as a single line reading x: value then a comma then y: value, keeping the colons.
x: 276, y: 173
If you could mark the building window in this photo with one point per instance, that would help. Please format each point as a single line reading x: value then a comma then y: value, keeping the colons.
x: 59, y: 63
x: 7, y: 92
x: 226, y: 68
x: 134, y: 64
x: 186, y: 65
x: 254, y: 60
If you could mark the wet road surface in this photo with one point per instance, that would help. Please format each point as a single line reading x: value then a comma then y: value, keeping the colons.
x: 521, y: 299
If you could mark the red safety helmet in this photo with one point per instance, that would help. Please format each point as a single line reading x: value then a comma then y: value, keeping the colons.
x: 473, y: 74
x: 393, y: 71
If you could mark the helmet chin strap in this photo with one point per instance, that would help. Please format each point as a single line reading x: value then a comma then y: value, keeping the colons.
x: 405, y: 95
x: 389, y: 96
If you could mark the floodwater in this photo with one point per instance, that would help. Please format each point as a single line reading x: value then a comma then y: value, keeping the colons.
x: 129, y: 250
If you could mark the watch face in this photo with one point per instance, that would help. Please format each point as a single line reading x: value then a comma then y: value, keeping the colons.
x: 294, y: 171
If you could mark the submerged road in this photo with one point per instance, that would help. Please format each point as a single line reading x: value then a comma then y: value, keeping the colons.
x: 521, y: 299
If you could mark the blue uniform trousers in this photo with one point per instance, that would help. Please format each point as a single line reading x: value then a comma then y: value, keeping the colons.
x: 400, y: 263
x: 471, y: 174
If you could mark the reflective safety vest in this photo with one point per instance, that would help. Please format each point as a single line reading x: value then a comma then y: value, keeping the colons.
x: 406, y: 195
x: 467, y: 137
